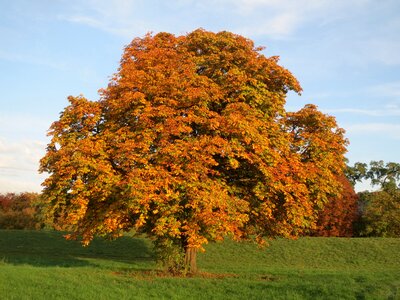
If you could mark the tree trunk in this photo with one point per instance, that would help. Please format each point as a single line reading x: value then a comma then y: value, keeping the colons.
x: 191, y: 260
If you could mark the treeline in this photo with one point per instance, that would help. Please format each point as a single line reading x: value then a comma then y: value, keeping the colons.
x: 21, y: 211
x: 363, y: 214
x: 367, y: 213
x: 378, y: 211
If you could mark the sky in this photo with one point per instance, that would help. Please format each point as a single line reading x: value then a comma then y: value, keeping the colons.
x: 345, y: 53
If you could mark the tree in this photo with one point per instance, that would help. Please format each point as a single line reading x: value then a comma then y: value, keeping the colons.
x: 190, y: 142
x: 380, y: 213
x: 20, y: 211
x: 381, y: 174
x: 387, y: 176
x: 356, y: 173
x: 379, y: 210
x: 339, y: 215
x: 320, y: 143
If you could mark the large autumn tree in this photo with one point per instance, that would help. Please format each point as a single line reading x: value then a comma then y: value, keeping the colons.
x: 190, y: 142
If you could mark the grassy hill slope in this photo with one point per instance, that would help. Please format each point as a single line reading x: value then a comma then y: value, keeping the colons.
x: 42, y: 265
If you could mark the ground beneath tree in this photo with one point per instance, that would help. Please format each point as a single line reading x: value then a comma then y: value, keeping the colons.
x: 152, y: 274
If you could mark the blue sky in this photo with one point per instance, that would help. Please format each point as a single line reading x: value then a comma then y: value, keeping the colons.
x: 345, y: 53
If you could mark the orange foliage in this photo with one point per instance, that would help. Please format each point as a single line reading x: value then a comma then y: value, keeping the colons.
x: 190, y: 142
x: 20, y: 211
x: 339, y: 214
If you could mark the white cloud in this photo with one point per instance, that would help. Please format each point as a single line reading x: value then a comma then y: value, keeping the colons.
x: 280, y: 26
x: 21, y: 155
x: 371, y: 48
x: 19, y: 163
x: 386, y: 51
x: 387, y: 89
x: 17, y: 126
x: 389, y: 111
x: 112, y: 8
x: 383, y: 129
x: 274, y: 18
x: 281, y: 5
x: 22, y: 145
x: 282, y: 19
x: 113, y: 16
x: 33, y: 60
x: 18, y: 184
x: 86, y: 20
x: 246, y: 7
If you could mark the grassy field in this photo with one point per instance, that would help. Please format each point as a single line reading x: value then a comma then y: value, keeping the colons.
x: 42, y: 265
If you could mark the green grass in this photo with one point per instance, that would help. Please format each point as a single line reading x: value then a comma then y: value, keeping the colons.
x: 42, y: 265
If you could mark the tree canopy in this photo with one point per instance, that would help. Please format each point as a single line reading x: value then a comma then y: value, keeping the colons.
x: 339, y: 215
x: 380, y: 209
x: 191, y: 142
x: 20, y: 211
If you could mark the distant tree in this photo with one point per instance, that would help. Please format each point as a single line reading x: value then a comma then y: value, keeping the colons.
x: 379, y: 210
x: 380, y: 173
x: 339, y: 215
x: 190, y: 142
x: 386, y: 176
x: 380, y: 213
x: 20, y: 211
x: 356, y: 173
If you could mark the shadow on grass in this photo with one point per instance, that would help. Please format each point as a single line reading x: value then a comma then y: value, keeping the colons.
x: 49, y: 248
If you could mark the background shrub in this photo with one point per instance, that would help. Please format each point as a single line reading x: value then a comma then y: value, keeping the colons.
x: 20, y: 211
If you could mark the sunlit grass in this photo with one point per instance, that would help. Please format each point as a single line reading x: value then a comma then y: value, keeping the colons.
x: 42, y: 265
